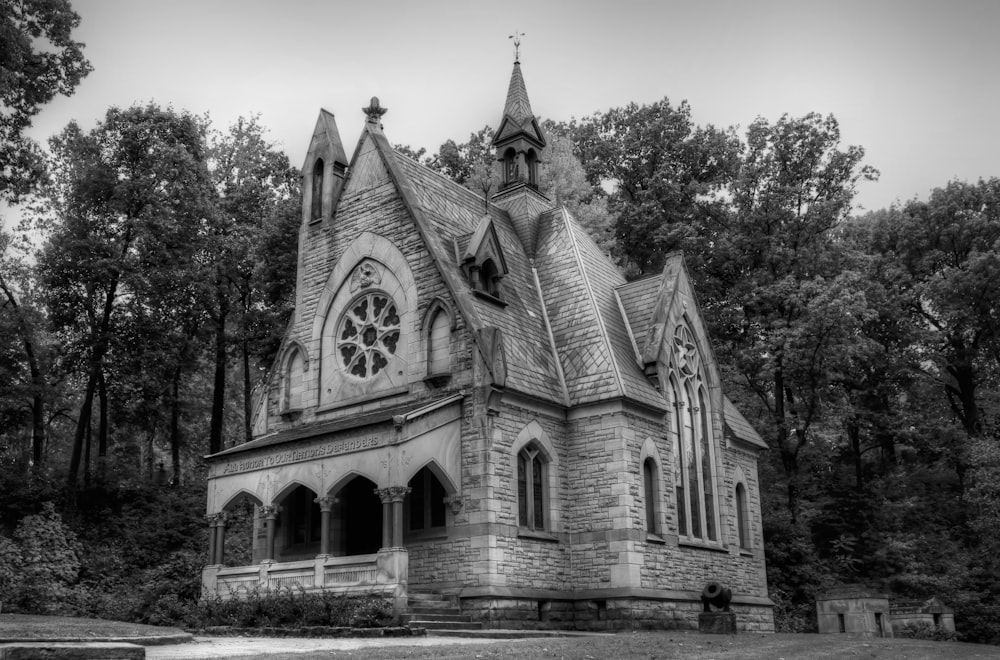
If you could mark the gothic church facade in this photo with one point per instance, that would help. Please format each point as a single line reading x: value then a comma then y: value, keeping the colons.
x: 471, y: 400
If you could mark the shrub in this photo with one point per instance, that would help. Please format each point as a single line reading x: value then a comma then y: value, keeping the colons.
x: 49, y: 563
x: 924, y: 630
x: 293, y: 608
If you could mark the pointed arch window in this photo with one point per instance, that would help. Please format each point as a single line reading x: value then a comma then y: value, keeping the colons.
x: 742, y: 517
x: 510, y: 169
x: 293, y: 382
x: 317, y: 189
x: 531, y: 161
x: 426, y: 501
x: 439, y: 344
x: 650, y: 489
x: 694, y: 444
x: 532, y: 478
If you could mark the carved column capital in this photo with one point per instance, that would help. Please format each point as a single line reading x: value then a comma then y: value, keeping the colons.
x: 456, y: 502
x: 270, y: 511
x: 326, y: 503
x: 392, y: 494
x: 216, y: 519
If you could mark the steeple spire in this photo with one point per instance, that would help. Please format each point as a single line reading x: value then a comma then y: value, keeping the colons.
x: 519, y: 139
x: 518, y: 143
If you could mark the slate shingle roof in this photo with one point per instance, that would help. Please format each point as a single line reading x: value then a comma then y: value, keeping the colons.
x: 454, y: 212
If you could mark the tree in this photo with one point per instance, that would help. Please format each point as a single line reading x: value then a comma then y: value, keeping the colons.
x: 787, y: 306
x: 253, y: 247
x: 39, y: 59
x: 25, y: 362
x: 948, y: 255
x: 128, y: 202
x: 669, y: 178
x: 564, y: 181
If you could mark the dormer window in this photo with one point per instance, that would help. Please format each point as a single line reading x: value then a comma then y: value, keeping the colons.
x: 489, y: 278
x: 482, y: 261
x: 317, y: 189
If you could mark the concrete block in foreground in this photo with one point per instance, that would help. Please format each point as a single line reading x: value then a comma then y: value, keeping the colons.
x: 74, y: 651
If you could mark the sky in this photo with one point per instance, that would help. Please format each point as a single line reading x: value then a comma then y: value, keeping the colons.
x: 914, y: 82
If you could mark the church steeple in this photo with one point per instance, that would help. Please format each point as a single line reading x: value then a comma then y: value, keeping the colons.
x: 519, y: 139
x: 518, y: 143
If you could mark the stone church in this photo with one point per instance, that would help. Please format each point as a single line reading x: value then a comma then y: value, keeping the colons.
x: 471, y: 400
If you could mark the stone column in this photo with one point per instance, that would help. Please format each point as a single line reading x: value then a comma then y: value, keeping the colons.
x: 325, y: 508
x: 270, y: 515
x: 385, y: 495
x: 392, y: 515
x: 212, y: 519
x: 220, y: 537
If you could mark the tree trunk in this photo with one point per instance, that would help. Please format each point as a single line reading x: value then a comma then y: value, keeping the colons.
x: 175, y: 432
x: 219, y: 382
x: 854, y: 437
x: 247, y: 394
x: 102, y: 429
x: 82, y: 428
x: 37, y: 381
x: 86, y: 454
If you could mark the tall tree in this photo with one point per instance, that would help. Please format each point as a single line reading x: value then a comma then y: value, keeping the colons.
x: 254, y: 243
x: 785, y: 303
x: 669, y: 178
x: 127, y: 198
x: 39, y: 59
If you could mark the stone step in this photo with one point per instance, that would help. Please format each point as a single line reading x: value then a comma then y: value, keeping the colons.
x: 431, y: 605
x: 446, y: 625
x: 497, y: 633
x: 424, y: 609
x: 425, y: 616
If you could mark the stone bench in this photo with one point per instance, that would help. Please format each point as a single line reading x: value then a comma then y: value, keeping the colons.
x: 81, y: 650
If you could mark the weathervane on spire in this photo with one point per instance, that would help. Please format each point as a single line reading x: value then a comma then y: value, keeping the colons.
x: 517, y: 44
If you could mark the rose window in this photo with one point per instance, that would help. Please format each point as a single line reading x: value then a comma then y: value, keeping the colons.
x: 368, y: 334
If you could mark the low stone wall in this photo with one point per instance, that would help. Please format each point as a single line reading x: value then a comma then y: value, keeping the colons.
x: 607, y: 615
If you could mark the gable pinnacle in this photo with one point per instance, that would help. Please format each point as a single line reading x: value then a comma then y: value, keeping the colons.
x: 374, y: 111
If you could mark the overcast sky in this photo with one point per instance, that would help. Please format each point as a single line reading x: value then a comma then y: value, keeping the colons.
x: 914, y: 82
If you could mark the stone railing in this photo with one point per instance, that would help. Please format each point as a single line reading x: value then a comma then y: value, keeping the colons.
x: 384, y: 572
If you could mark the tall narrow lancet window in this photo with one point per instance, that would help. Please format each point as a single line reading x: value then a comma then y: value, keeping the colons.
x: 680, y: 478
x: 317, y: 189
x: 649, y: 482
x: 742, y: 517
x: 293, y: 381
x: 510, y: 171
x: 694, y: 452
x: 531, y: 160
x: 439, y: 344
x: 531, y: 479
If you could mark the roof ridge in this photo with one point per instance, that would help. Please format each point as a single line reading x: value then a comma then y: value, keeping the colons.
x: 570, y: 222
x: 451, y: 182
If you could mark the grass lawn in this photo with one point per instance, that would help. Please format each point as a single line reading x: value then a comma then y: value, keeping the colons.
x: 667, y: 645
x: 27, y: 626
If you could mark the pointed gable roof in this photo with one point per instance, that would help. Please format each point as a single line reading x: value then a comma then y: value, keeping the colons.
x: 326, y: 141
x: 590, y: 334
x: 518, y: 120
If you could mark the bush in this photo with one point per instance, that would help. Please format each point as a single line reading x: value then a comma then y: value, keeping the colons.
x: 49, y: 564
x: 924, y: 630
x: 287, y: 608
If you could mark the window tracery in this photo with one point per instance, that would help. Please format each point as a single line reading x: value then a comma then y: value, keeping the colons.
x: 694, y: 467
x: 368, y: 334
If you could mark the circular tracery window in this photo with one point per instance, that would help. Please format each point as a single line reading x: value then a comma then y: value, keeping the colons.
x: 368, y: 334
